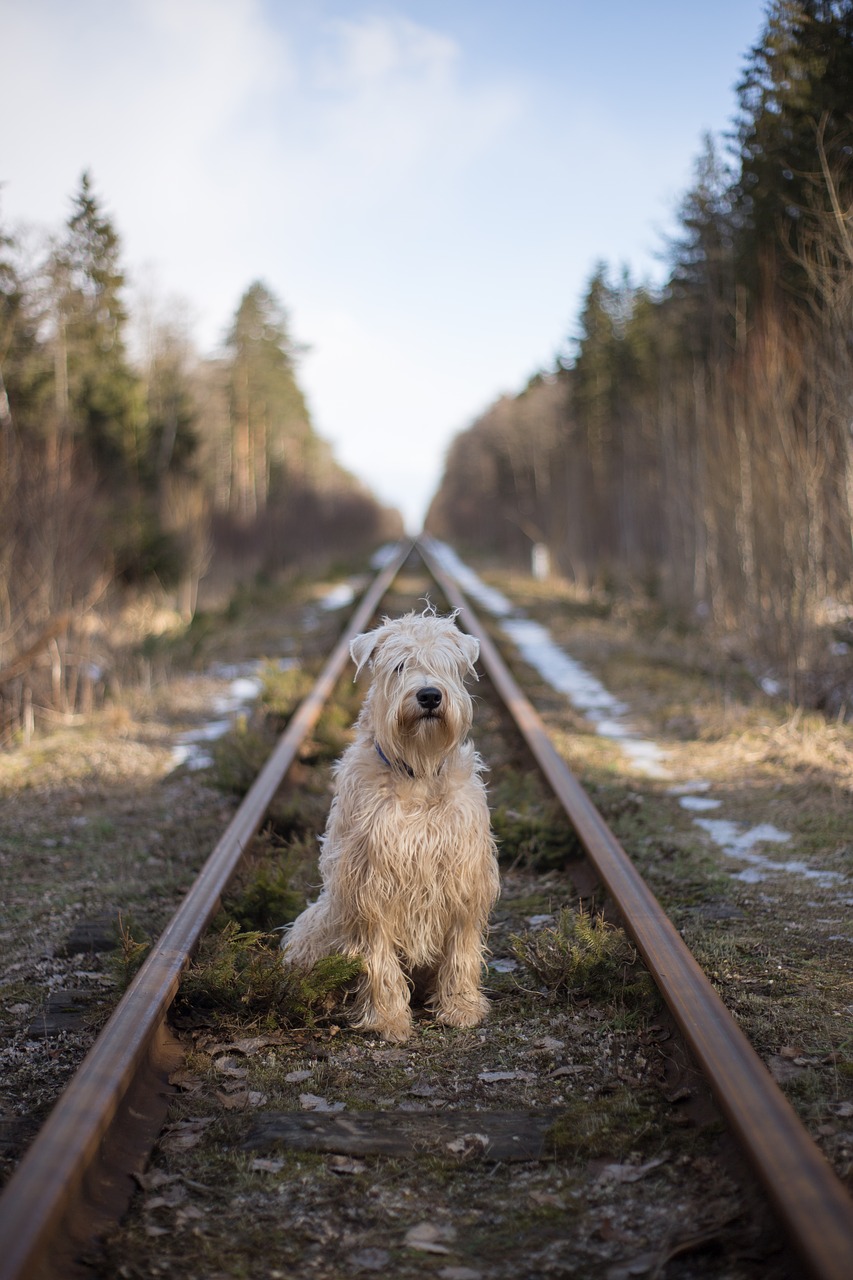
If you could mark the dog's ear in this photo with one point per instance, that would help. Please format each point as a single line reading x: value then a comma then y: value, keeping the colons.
x: 362, y: 647
x: 470, y: 647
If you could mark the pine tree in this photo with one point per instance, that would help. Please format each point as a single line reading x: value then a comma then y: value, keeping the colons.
x: 799, y: 75
x: 272, y: 440
x: 97, y: 395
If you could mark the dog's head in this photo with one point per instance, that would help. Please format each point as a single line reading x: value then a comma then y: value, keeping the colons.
x: 418, y: 705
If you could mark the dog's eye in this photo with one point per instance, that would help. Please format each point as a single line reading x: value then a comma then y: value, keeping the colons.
x: 400, y: 668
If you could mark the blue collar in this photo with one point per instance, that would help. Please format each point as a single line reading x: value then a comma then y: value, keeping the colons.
x: 382, y: 756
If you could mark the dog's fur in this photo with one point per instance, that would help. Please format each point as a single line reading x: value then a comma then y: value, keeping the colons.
x: 408, y: 862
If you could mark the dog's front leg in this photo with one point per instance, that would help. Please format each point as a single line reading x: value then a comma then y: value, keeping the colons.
x: 384, y: 996
x: 458, y: 999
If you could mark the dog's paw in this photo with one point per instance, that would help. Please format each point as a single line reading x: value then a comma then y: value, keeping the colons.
x: 463, y: 1011
x: 396, y: 1034
x: 395, y: 1028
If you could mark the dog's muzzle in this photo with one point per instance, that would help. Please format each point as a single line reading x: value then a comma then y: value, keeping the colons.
x: 429, y: 699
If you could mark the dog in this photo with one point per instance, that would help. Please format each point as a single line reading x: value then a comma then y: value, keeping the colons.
x: 408, y: 862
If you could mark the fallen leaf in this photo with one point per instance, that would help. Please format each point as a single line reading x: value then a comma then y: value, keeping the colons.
x: 310, y: 1102
x: 296, y: 1077
x: 494, y: 1077
x: 188, y: 1081
x: 237, y: 1101
x: 260, y: 1165
x: 247, y: 1046
x: 629, y: 1172
x: 346, y: 1164
x: 175, y: 1196
x: 185, y: 1134
x: 565, y: 1071
x: 189, y: 1213
x: 389, y: 1055
x: 783, y: 1068
x: 549, y: 1043
x: 460, y: 1273
x: 546, y: 1199
x: 427, y: 1237
x: 842, y: 1109
x: 226, y: 1067
x: 639, y: 1266
x: 468, y: 1144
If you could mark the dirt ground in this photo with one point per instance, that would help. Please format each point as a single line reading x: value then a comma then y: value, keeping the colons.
x: 642, y: 1181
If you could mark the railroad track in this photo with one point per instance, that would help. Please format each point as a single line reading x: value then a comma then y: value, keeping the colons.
x: 76, y: 1177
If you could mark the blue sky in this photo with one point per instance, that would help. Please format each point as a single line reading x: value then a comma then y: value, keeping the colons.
x: 427, y: 187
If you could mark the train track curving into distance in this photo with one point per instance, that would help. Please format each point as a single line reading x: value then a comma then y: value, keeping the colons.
x: 75, y: 1178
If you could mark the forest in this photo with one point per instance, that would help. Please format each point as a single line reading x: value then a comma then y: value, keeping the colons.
x: 695, y: 441
x: 121, y: 475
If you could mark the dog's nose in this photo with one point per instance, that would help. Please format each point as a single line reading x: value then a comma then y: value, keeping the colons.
x: 429, y: 697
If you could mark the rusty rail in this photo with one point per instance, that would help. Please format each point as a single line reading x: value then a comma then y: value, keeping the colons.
x: 812, y: 1203
x: 69, y: 1172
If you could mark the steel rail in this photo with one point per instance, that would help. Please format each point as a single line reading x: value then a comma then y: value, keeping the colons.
x: 49, y: 1188
x: 812, y: 1204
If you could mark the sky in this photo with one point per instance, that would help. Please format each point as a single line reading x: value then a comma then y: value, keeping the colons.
x: 426, y: 185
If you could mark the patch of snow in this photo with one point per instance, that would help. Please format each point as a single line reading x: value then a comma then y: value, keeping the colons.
x: 496, y: 603
x: 244, y: 687
x: 585, y: 691
x: 739, y: 843
x: 338, y: 597
x: 384, y: 555
x: 698, y: 804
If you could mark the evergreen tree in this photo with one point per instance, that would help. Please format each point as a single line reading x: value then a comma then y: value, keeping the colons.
x: 272, y: 440
x: 97, y: 395
x: 23, y: 373
x: 799, y: 75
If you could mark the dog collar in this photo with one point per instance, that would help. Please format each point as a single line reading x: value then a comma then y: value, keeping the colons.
x: 382, y: 756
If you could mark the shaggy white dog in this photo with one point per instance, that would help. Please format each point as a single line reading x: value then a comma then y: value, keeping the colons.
x: 408, y: 862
